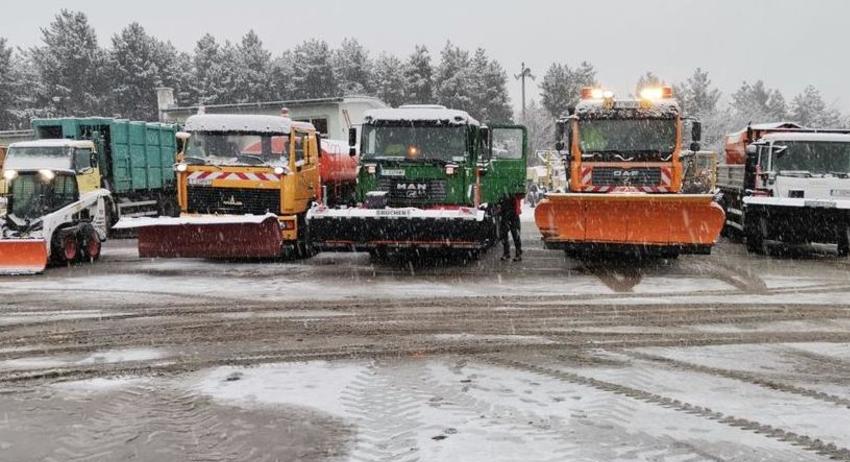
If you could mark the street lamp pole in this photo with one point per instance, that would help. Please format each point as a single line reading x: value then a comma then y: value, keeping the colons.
x: 525, y: 73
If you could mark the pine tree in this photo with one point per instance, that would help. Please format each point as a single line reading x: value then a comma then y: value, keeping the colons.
x: 453, y: 82
x: 697, y: 96
x: 541, y: 128
x: 8, y: 118
x: 71, y: 67
x: 389, y: 79
x: 809, y: 109
x: 490, y: 100
x: 253, y: 71
x: 280, y: 77
x: 138, y: 64
x: 353, y: 68
x: 561, y: 86
x: 215, y: 72
x: 419, y: 78
x: 758, y: 104
x: 312, y: 74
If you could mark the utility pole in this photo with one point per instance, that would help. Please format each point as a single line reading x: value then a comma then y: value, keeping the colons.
x: 524, y: 74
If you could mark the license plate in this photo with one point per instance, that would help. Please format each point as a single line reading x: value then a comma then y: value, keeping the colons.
x: 392, y: 213
x: 200, y: 181
x: 840, y: 193
x: 821, y: 204
x: 392, y: 172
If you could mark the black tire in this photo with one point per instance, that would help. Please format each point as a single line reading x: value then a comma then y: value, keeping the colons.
x: 90, y: 244
x: 844, y: 242
x: 755, y: 231
x: 304, y: 247
x: 65, y: 247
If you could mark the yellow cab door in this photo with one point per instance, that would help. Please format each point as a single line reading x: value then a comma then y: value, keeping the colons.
x: 302, y: 185
x: 87, y: 170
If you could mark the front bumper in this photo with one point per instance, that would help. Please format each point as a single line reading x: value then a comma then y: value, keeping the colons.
x: 360, y: 229
x: 798, y: 220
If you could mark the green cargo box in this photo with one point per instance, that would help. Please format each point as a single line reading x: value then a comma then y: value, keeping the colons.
x: 134, y: 157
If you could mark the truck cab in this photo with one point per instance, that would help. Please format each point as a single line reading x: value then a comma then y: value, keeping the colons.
x: 430, y: 177
x: 795, y: 189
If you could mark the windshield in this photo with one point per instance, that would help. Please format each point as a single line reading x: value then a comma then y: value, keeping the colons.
x: 239, y: 148
x: 818, y: 158
x: 33, y: 194
x: 446, y: 143
x: 39, y: 157
x: 628, y: 136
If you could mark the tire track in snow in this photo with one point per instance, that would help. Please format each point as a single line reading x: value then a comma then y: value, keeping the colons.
x: 741, y: 376
x: 803, y: 441
x: 386, y: 415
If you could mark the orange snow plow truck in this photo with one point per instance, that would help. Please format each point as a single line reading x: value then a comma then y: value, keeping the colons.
x: 244, y: 185
x: 626, y: 170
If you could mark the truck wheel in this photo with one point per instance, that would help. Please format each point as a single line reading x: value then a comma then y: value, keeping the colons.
x: 91, y: 244
x: 844, y: 242
x: 304, y: 248
x: 755, y: 233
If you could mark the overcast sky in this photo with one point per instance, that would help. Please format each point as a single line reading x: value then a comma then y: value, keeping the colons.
x: 788, y: 44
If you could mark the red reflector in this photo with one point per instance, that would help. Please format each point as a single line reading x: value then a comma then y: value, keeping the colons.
x: 586, y: 93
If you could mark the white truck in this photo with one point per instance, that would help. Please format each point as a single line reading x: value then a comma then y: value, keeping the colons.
x: 792, y: 186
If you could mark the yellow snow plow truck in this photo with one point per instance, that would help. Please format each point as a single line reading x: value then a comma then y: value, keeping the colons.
x: 244, y: 185
x: 56, y: 209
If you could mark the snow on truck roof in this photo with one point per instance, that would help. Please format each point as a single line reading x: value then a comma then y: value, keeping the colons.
x: 421, y: 113
x: 601, y: 108
x: 243, y: 123
x: 808, y: 136
x: 57, y: 143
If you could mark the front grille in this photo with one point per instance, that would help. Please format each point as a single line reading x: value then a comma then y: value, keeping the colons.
x: 205, y: 199
x: 403, y: 192
x: 613, y: 176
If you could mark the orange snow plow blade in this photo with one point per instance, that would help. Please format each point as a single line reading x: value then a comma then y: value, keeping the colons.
x: 213, y: 238
x: 687, y: 222
x: 23, y: 256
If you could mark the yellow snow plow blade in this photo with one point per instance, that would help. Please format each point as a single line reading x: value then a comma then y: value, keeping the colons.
x: 23, y: 256
x: 690, y: 223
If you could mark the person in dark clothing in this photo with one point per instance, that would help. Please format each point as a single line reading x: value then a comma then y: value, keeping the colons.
x: 509, y: 211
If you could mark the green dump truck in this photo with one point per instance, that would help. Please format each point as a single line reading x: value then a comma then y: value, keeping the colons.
x: 429, y: 178
x: 135, y: 160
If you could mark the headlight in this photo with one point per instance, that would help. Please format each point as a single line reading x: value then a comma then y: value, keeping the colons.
x: 181, y: 167
x: 279, y: 170
x: 47, y: 174
x: 10, y: 175
x: 371, y: 168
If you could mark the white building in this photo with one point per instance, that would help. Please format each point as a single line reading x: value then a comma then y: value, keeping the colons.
x: 331, y: 116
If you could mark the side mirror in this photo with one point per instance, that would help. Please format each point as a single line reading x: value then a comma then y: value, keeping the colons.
x: 93, y: 160
x: 352, y: 142
x: 696, y: 131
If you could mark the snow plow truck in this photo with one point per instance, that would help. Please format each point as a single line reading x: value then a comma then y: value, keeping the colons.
x: 785, y: 184
x: 626, y: 168
x: 244, y: 185
x: 57, y: 210
x: 430, y: 178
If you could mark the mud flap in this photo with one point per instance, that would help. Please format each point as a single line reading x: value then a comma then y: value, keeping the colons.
x: 684, y: 221
x: 23, y: 256
x: 231, y: 240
